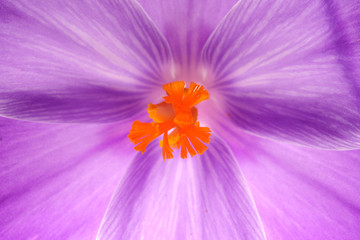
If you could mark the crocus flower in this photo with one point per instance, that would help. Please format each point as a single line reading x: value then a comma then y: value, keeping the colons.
x: 283, y: 109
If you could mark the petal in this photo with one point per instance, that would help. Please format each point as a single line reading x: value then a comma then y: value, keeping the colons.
x: 187, y: 24
x: 90, y: 57
x: 301, y: 193
x: 200, y: 198
x: 290, y: 70
x: 57, y: 179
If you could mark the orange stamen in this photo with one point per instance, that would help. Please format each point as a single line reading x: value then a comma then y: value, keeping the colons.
x: 167, y: 150
x: 177, y: 113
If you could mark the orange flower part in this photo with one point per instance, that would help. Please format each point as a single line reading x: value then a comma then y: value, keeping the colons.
x: 176, y: 120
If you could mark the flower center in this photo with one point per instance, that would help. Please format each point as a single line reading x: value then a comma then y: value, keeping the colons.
x: 176, y: 120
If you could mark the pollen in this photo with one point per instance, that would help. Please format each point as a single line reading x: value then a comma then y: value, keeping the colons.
x: 175, y: 119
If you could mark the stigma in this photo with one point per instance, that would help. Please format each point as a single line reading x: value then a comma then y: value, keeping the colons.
x: 175, y: 119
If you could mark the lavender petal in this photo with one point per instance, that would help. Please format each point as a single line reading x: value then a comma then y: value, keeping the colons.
x: 301, y: 193
x: 78, y: 61
x: 57, y: 179
x: 291, y: 70
x: 204, y: 197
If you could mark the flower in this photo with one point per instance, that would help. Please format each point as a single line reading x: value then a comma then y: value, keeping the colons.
x: 283, y: 108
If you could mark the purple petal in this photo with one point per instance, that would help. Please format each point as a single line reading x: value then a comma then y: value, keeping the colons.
x: 291, y: 70
x: 199, y: 198
x: 301, y: 193
x: 56, y: 180
x: 74, y: 61
x: 187, y: 24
